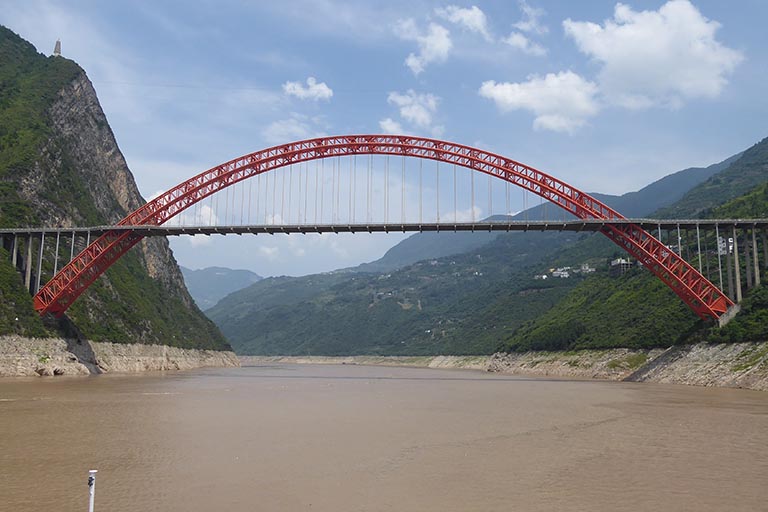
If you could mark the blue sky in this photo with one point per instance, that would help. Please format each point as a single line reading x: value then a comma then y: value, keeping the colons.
x: 606, y: 96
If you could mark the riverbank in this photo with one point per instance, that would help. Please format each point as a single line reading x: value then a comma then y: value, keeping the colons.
x: 55, y: 356
x: 735, y: 365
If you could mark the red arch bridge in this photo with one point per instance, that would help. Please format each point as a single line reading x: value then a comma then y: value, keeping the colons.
x: 397, y: 192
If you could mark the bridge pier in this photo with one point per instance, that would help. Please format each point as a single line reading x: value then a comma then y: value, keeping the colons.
x: 736, y: 267
x: 747, y: 260
x: 756, y: 261
x: 56, y: 254
x: 28, y: 265
x: 39, y: 262
x: 764, y: 238
x: 72, y: 248
x: 15, y: 250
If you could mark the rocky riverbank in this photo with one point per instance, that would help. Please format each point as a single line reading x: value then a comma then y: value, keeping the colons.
x: 738, y: 365
x: 55, y: 356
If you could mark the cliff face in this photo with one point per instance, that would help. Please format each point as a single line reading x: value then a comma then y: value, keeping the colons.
x: 82, y: 143
x: 60, y: 165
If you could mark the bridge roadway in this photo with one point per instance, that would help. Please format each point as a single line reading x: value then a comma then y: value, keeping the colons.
x: 533, y: 225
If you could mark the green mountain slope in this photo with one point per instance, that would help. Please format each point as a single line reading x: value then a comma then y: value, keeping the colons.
x: 430, y: 306
x: 744, y: 174
x: 60, y: 166
x: 636, y: 310
x: 449, y: 305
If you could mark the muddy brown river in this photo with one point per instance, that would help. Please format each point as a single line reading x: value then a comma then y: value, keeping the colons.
x: 354, y: 438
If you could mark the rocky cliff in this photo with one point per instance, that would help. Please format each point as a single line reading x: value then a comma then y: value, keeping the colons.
x: 60, y: 165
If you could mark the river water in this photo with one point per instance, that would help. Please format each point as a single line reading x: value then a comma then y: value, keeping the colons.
x: 354, y: 438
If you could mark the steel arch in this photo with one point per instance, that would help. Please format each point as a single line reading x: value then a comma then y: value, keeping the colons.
x: 704, y: 298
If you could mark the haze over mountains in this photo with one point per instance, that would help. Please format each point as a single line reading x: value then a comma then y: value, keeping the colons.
x: 209, y: 285
x: 471, y: 293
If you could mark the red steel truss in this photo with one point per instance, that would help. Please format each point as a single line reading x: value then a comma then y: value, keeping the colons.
x: 695, y: 290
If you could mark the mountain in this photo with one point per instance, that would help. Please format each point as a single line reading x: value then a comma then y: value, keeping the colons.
x: 472, y: 302
x: 209, y: 285
x: 60, y: 166
x: 450, y: 305
x: 638, y: 310
x: 744, y: 174
x: 663, y: 192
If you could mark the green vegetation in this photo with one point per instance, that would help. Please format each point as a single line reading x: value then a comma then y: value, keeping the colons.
x: 485, y: 299
x: 16, y: 313
x: 43, y: 181
x: 633, y: 311
x: 131, y: 307
x: 29, y: 84
x: 637, y: 310
x: 464, y: 304
x: 747, y: 172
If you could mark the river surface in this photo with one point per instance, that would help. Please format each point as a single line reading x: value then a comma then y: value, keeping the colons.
x: 354, y: 438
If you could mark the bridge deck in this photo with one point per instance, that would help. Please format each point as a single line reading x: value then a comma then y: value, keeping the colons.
x: 570, y: 225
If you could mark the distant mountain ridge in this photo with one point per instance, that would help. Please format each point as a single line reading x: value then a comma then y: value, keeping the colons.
x: 209, y: 285
x: 746, y: 172
x: 643, y: 202
x: 471, y: 302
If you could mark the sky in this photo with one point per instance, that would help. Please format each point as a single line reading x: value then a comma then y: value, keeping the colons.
x: 606, y: 96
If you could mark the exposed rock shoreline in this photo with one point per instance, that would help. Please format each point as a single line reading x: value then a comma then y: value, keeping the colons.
x: 736, y: 365
x: 56, y: 356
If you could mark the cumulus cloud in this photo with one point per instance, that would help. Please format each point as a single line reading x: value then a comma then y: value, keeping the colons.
x: 418, y: 109
x: 434, y: 44
x: 314, y: 90
x: 471, y: 18
x: 520, y: 42
x: 561, y: 102
x: 389, y: 125
x: 531, y: 19
x: 296, y: 127
x: 661, y: 57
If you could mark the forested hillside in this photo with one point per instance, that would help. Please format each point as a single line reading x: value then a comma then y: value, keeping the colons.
x: 60, y: 166
x: 637, y: 310
x: 484, y: 299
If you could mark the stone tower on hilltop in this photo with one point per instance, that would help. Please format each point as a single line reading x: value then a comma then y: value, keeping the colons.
x: 57, y: 49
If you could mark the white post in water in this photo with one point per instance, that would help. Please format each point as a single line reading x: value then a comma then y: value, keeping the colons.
x: 91, y: 488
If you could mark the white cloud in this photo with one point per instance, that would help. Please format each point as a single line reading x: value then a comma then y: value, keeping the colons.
x: 417, y: 109
x: 656, y: 57
x: 296, y: 127
x: 313, y: 91
x: 471, y: 18
x: 269, y: 252
x: 561, y: 102
x: 434, y: 44
x: 531, y: 16
x: 520, y: 42
x: 389, y: 125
